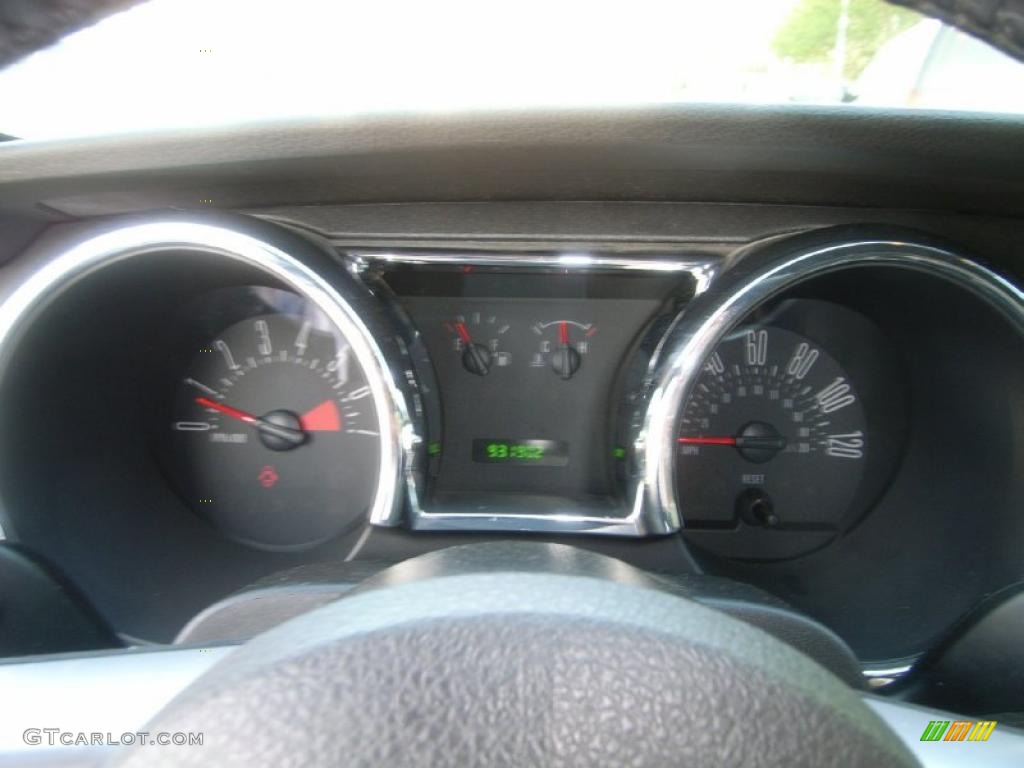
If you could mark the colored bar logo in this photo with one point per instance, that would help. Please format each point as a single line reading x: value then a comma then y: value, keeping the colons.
x: 958, y: 730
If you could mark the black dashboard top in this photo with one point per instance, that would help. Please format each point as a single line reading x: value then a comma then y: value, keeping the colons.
x: 708, y: 153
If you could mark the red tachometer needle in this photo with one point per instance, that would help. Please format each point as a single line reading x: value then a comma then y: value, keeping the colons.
x: 227, y: 410
x: 293, y: 437
x: 707, y: 440
x: 563, y: 332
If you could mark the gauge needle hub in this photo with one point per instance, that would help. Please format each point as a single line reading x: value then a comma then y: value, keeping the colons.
x: 476, y: 358
x: 291, y: 437
x: 757, y: 441
x: 565, y: 361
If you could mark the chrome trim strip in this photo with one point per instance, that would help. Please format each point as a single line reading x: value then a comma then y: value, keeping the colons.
x: 747, y: 283
x: 879, y: 677
x: 637, y: 519
x: 639, y: 522
x: 398, y: 437
x: 1004, y: 748
x: 567, y: 260
x: 898, y: 671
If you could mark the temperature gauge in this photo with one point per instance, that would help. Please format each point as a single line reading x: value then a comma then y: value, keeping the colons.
x: 478, y: 339
x: 563, y: 345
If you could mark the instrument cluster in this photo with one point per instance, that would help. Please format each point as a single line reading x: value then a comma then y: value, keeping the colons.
x: 758, y: 405
x: 260, y: 399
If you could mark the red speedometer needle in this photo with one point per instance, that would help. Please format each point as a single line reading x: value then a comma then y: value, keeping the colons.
x: 563, y: 332
x: 707, y: 440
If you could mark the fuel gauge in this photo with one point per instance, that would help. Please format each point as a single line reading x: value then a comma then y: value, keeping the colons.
x: 478, y: 339
x: 563, y: 346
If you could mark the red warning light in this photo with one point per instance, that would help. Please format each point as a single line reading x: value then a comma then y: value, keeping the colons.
x: 268, y: 477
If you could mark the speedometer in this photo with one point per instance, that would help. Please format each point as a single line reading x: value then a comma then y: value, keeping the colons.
x: 772, y: 435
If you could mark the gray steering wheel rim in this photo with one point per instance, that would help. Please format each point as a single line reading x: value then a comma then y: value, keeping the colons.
x: 814, y: 718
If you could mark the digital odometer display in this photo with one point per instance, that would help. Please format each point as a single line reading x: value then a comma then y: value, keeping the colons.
x: 535, y: 453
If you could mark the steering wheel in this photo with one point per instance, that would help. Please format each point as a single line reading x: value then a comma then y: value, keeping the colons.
x: 446, y: 660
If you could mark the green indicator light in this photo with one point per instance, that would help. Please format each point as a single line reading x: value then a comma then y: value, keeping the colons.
x: 434, y: 448
x: 619, y: 452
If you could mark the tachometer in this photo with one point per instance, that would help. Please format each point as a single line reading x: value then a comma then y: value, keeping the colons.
x: 275, y: 432
x: 772, y: 435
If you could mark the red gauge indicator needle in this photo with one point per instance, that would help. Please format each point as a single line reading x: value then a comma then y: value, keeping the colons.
x: 707, y: 440
x: 227, y: 410
x: 563, y: 332
x: 290, y: 437
x: 475, y: 357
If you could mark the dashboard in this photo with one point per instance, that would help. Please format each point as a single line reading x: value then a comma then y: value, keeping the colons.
x: 822, y: 403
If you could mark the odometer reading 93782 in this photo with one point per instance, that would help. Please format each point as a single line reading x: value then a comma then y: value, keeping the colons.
x: 536, y: 453
x: 772, y: 435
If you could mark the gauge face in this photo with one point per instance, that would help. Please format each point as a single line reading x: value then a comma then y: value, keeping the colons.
x: 773, y: 435
x: 275, y: 432
x: 563, y: 345
x: 479, y: 340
